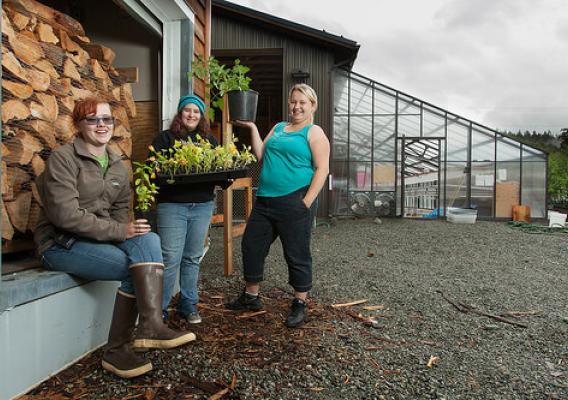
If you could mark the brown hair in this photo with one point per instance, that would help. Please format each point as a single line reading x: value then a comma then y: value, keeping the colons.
x: 178, y: 129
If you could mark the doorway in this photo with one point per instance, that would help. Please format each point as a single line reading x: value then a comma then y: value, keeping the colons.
x: 420, y: 177
x: 266, y: 72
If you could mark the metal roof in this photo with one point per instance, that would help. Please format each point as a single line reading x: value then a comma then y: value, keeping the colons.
x: 344, y: 49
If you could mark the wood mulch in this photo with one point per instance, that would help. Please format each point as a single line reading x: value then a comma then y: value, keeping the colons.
x: 227, y: 339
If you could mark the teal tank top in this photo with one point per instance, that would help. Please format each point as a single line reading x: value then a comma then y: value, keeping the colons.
x: 286, y: 163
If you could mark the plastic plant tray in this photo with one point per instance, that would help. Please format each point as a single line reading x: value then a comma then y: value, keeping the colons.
x: 198, y: 177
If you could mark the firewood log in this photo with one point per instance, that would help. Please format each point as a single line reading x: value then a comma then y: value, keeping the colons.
x: 126, y: 92
x: 39, y: 80
x: 38, y: 165
x: 20, y: 90
x: 44, y: 131
x: 121, y: 115
x: 80, y: 94
x: 67, y: 103
x: 81, y: 39
x: 122, y: 147
x: 18, y: 181
x: 67, y: 43
x: 74, y: 51
x: 121, y: 132
x: 70, y: 70
x: 7, y: 28
x: 22, y: 148
x: 61, y: 87
x: 33, y: 216
x: 19, y: 210
x: 98, y: 71
x: 116, y: 93
x: 5, y: 183
x: 89, y: 85
x: 35, y: 194
x: 45, y: 33
x: 46, y: 14
x: 47, y: 67
x: 65, y: 129
x: 26, y: 49
x: 30, y: 35
x: 14, y: 110
x: 46, y: 109
x: 19, y: 21
x: 54, y: 54
x: 13, y: 66
x: 99, y: 52
x: 7, y: 228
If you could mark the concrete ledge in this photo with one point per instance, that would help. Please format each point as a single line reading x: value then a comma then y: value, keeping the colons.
x: 33, y: 284
x: 40, y: 337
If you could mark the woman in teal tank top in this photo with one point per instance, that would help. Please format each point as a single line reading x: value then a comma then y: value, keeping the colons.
x: 295, y: 165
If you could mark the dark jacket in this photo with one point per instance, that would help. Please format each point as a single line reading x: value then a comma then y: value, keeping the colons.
x: 197, y: 193
x: 78, y: 200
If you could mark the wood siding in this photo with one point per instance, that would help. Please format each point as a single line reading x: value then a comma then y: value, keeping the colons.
x: 201, y: 10
x: 145, y: 126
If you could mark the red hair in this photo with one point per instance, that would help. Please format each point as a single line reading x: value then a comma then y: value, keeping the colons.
x: 85, y: 107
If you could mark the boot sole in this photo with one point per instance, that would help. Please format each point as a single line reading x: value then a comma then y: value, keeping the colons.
x: 164, y: 344
x: 127, y: 373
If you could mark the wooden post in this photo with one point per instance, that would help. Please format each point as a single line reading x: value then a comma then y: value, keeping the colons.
x: 229, y: 231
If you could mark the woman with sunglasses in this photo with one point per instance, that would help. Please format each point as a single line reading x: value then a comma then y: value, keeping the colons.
x: 84, y: 230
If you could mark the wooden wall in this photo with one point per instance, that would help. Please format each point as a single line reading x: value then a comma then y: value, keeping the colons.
x: 144, y: 128
x: 202, y: 37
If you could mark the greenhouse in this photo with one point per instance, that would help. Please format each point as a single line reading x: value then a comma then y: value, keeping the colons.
x: 396, y: 155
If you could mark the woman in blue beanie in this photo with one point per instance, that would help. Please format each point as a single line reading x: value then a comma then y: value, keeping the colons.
x: 184, y: 214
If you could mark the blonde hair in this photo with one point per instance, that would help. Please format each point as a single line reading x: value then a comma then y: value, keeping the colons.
x: 307, y: 91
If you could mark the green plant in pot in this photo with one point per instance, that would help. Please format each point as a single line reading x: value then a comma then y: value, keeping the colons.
x: 221, y: 80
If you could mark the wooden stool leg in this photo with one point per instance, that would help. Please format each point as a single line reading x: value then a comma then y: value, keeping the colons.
x: 228, y: 230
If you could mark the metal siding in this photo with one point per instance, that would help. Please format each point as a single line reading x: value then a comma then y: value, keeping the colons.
x: 229, y: 34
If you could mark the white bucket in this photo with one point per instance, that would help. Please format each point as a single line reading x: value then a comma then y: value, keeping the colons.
x: 461, y: 215
x: 556, y: 219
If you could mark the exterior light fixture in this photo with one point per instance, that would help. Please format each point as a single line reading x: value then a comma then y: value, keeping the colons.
x: 299, y: 75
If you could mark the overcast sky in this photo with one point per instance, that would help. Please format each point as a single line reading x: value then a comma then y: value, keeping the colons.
x: 501, y: 63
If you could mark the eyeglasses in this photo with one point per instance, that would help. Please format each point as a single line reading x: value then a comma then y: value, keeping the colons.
x: 95, y: 120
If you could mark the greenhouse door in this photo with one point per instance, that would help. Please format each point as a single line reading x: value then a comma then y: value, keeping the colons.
x: 420, y: 177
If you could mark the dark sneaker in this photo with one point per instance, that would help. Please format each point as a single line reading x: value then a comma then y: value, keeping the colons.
x: 298, y: 313
x: 193, y: 318
x: 245, y: 302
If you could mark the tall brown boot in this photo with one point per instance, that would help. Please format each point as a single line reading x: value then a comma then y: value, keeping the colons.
x: 148, y: 279
x: 119, y: 358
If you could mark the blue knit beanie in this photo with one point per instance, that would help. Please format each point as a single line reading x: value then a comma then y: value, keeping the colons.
x: 193, y: 99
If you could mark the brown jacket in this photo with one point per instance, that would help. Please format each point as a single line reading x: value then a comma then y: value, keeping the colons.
x: 78, y: 200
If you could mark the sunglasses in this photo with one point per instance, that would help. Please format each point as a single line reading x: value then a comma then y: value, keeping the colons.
x: 95, y: 120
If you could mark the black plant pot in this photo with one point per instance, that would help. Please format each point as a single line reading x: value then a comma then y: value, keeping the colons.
x: 149, y: 215
x: 242, y: 105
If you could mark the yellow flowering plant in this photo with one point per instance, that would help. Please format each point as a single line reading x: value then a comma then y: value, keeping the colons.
x: 186, y: 159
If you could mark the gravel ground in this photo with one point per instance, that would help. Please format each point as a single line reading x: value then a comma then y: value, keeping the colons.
x: 410, y: 267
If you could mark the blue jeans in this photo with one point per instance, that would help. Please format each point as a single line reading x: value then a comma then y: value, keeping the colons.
x: 182, y: 228
x: 104, y: 261
x: 286, y: 217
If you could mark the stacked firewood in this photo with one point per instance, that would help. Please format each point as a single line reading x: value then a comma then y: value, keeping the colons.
x: 47, y: 65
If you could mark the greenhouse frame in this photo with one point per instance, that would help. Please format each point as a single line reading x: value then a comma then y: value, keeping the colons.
x: 396, y: 155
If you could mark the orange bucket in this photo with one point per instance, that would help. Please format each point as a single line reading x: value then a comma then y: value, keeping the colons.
x: 522, y: 213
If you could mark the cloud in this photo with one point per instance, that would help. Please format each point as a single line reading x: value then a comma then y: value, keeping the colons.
x: 500, y: 63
